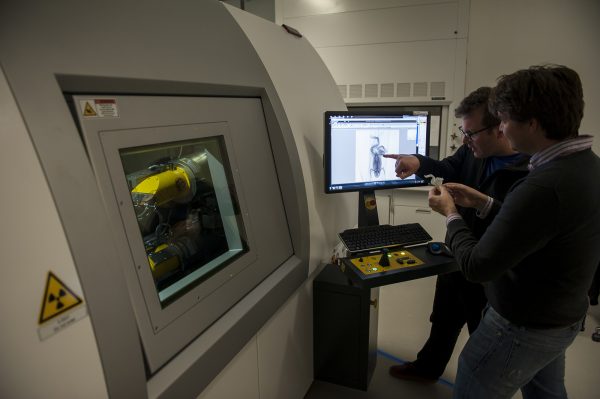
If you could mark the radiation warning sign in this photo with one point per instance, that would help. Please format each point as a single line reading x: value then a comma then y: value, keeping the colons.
x: 61, y: 307
x: 58, y: 298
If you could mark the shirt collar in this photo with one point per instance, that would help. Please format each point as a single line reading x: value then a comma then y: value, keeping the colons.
x: 560, y: 149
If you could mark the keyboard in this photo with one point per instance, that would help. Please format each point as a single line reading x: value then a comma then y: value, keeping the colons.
x: 383, y: 236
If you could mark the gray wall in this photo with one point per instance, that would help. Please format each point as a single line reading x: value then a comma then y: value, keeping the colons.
x: 510, y: 35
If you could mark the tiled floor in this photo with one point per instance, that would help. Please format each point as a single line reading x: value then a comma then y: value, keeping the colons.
x: 404, y: 327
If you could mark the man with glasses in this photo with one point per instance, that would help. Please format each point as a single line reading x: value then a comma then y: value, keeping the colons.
x: 487, y: 162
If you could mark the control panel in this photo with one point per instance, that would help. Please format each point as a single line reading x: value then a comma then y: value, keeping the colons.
x: 376, y: 269
x: 385, y: 261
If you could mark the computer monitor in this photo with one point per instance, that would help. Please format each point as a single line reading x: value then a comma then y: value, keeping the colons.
x: 355, y: 142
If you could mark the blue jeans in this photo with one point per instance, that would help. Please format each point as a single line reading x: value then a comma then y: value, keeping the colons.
x: 500, y: 358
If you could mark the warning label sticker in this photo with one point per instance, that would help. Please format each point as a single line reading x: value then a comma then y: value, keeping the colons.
x: 58, y: 298
x: 99, y: 108
x: 59, y: 307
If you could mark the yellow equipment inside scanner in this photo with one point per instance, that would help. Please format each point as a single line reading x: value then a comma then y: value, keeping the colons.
x: 170, y: 185
x: 162, y: 261
x: 369, y: 264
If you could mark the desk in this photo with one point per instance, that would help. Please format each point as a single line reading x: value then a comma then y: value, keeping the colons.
x: 345, y: 316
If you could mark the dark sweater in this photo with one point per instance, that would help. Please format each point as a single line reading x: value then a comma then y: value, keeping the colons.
x: 539, y: 255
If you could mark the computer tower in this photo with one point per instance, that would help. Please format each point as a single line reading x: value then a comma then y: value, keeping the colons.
x: 344, y: 328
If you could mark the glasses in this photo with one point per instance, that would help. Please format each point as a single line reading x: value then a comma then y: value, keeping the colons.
x: 469, y: 135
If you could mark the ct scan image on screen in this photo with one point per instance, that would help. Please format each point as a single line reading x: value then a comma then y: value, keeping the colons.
x: 355, y: 145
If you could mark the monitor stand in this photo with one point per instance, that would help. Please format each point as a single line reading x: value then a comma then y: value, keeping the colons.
x: 367, y: 209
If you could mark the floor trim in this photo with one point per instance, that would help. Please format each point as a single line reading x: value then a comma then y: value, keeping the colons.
x: 398, y: 360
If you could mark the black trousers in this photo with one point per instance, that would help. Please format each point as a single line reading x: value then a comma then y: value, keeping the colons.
x: 456, y: 302
x: 594, y: 291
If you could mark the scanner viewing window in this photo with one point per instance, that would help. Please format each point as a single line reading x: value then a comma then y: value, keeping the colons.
x: 192, y: 193
x: 186, y: 211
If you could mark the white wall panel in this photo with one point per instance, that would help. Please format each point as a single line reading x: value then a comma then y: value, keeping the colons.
x: 425, y: 61
x: 295, y: 8
x: 399, y: 24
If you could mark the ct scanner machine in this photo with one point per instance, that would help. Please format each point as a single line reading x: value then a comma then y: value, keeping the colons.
x: 161, y: 191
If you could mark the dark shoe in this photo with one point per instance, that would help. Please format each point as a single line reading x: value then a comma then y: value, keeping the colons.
x: 408, y: 371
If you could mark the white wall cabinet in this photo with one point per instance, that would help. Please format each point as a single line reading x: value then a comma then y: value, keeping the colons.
x: 411, y: 206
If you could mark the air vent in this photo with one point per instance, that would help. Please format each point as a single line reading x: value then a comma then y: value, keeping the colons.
x: 435, y: 90
x: 403, y: 90
x: 371, y: 90
x: 438, y: 89
x: 387, y: 90
x: 420, y: 89
x: 355, y: 91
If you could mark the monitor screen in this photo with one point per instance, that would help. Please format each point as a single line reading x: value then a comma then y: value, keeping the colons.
x: 355, y: 142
